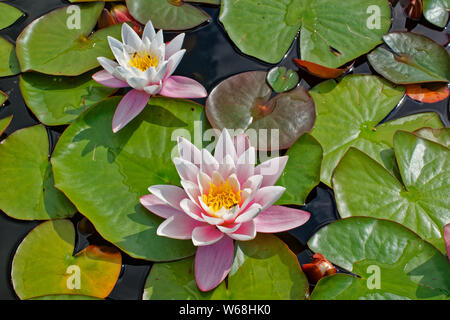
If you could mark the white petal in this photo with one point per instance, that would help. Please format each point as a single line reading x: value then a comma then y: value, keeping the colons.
x: 209, y: 163
x: 212, y: 220
x: 149, y: 31
x: 249, y: 214
x: 231, y: 229
x: 191, y: 209
x: 271, y: 170
x: 158, y: 40
x: 224, y: 147
x: 172, y: 195
x: 203, y: 182
x: 186, y: 169
x: 189, y: 152
x: 245, y: 166
x: 246, y: 232
x: 227, y: 167
x: 191, y: 189
x: 234, y: 183
x: 173, y: 62
x: 174, y: 46
x: 154, y: 89
x: 130, y: 37
x: 267, y: 196
x: 107, y: 64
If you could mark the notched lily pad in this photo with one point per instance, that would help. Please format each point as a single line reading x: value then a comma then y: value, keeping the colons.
x: 349, y: 115
x: 27, y: 190
x: 44, y: 265
x: 282, y: 79
x: 302, y: 172
x: 419, y: 199
x: 436, y: 11
x: 263, y: 269
x: 391, y: 261
x: 105, y: 174
x: 414, y: 59
x: 244, y: 102
x: 9, y: 65
x: 57, y: 100
x: 168, y: 14
x: 8, y: 15
x: 61, y: 43
x: 332, y: 32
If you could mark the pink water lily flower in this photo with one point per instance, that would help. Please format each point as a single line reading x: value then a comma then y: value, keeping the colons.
x: 146, y: 65
x: 224, y: 198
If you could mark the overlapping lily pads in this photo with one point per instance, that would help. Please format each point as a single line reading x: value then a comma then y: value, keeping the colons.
x: 332, y: 33
x: 169, y: 14
x: 244, y: 102
x: 27, y: 190
x: 3, y: 98
x: 419, y: 201
x: 61, y: 43
x: 302, y: 172
x: 263, y: 269
x: 441, y: 136
x: 105, y: 174
x: 57, y: 100
x: 8, y: 15
x: 391, y: 261
x: 4, y: 123
x: 349, y: 113
x: 436, y: 11
x: 9, y: 65
x: 414, y: 59
x: 44, y: 264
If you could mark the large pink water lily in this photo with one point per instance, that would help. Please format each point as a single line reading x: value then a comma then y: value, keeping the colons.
x: 146, y: 65
x: 224, y: 198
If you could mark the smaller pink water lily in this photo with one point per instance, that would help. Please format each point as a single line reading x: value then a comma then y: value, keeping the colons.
x: 224, y: 198
x: 147, y: 65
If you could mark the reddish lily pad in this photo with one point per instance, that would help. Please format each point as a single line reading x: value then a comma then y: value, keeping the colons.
x: 243, y: 102
x: 9, y: 65
x: 427, y: 93
x: 321, y: 71
x: 59, y: 43
x: 168, y: 14
x: 27, y: 190
x: 414, y: 59
x: 44, y: 264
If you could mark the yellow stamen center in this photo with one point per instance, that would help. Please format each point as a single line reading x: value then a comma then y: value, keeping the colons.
x: 221, y: 196
x: 144, y: 60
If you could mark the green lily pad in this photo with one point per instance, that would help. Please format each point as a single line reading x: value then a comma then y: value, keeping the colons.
x: 9, y: 65
x: 436, y: 11
x: 349, y: 113
x: 414, y: 59
x: 419, y: 200
x: 167, y: 14
x: 105, y: 174
x: 302, y: 172
x: 332, y: 33
x: 57, y: 100
x: 441, y: 136
x: 263, y: 269
x: 27, y: 190
x: 59, y: 297
x: 282, y: 79
x: 4, y: 123
x: 3, y: 98
x: 406, y: 266
x: 8, y: 15
x: 44, y: 264
x: 243, y: 102
x: 57, y: 44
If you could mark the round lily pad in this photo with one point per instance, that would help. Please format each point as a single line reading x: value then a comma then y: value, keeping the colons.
x: 57, y: 100
x: 282, y: 79
x: 167, y: 14
x: 414, y: 59
x: 104, y: 174
x: 8, y: 15
x: 62, y: 43
x: 391, y: 261
x: 441, y: 136
x: 419, y: 200
x: 332, y: 32
x: 44, y: 264
x: 436, y: 11
x: 9, y: 65
x: 243, y: 102
x: 27, y: 190
x: 302, y: 171
x: 349, y: 113
x: 4, y: 123
x: 263, y: 269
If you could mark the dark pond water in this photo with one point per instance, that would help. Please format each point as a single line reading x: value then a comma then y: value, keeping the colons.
x: 210, y: 59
